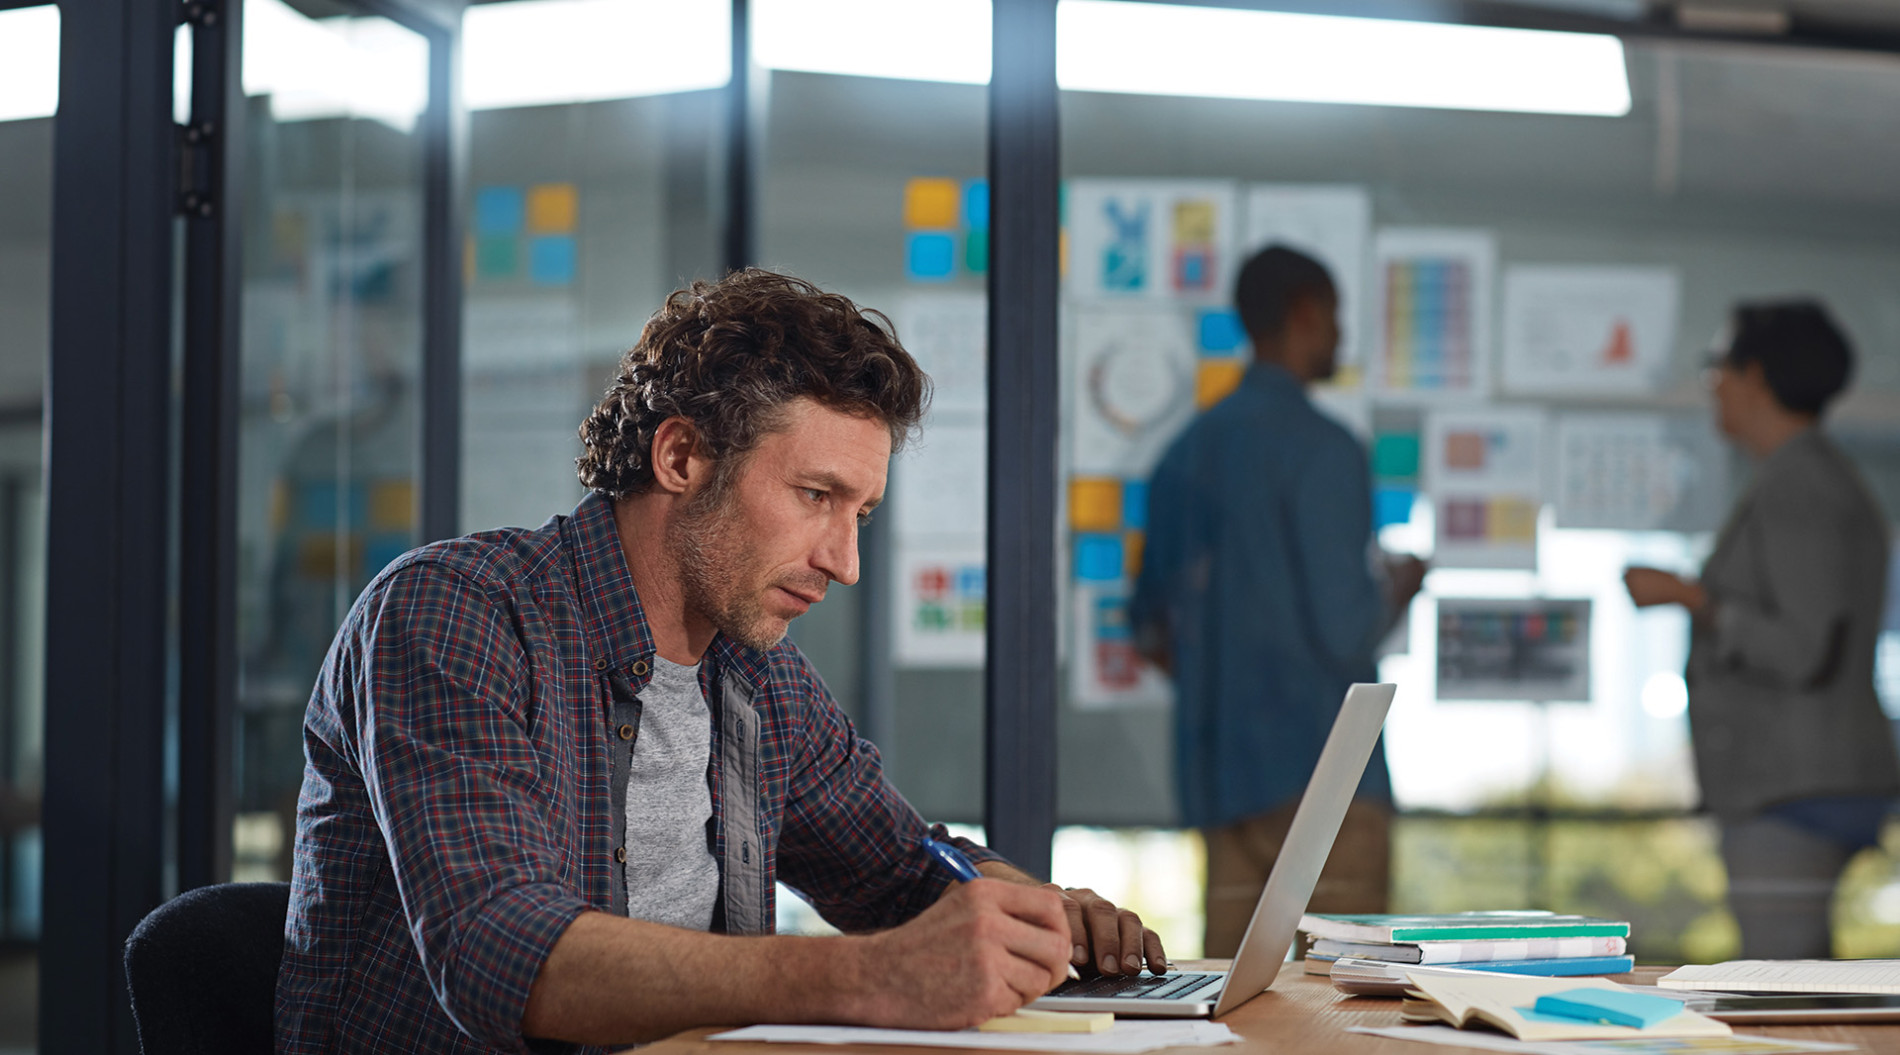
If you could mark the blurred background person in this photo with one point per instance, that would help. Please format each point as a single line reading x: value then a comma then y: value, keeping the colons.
x: 1260, y: 593
x: 1793, y: 753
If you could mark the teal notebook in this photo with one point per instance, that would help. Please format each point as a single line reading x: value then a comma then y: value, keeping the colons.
x: 1461, y: 926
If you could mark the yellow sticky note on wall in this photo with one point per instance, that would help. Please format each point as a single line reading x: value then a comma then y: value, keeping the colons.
x: 1095, y: 503
x: 553, y: 208
x: 1215, y: 380
x: 1512, y: 520
x: 931, y: 203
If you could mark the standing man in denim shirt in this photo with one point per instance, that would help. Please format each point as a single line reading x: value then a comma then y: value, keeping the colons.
x: 1258, y: 594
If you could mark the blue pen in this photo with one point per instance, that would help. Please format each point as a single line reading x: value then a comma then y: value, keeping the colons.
x: 952, y: 858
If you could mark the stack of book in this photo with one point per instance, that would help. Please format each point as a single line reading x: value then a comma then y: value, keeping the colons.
x: 1543, y: 943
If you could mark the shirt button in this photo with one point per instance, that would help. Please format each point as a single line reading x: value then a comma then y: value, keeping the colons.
x: 626, y: 732
x: 600, y: 664
x: 639, y: 668
x: 620, y: 854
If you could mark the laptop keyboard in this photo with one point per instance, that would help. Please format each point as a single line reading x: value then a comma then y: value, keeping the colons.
x: 1135, y: 987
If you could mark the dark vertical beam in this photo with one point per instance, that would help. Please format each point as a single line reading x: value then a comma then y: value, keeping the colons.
x: 444, y: 169
x: 877, y: 675
x: 741, y: 246
x: 1019, y: 784
x: 207, y: 515
x: 108, y: 393
x: 10, y: 561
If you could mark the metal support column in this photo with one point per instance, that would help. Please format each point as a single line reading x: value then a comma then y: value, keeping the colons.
x: 210, y: 198
x: 740, y: 248
x: 109, y: 390
x: 1019, y: 784
x: 444, y: 169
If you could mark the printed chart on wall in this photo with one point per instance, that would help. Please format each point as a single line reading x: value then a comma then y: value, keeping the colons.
x: 1588, y: 330
x: 937, y: 490
x: 1135, y: 375
x: 1484, y: 468
x: 1331, y: 223
x: 1168, y: 240
x: 1432, y: 312
x: 1513, y: 649
x: 1639, y: 472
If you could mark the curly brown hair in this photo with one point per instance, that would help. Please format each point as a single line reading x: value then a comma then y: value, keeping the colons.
x: 728, y: 356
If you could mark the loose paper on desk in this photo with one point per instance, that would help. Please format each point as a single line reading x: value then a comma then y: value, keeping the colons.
x: 1126, y: 1038
x: 1464, y: 1038
x: 1788, y: 976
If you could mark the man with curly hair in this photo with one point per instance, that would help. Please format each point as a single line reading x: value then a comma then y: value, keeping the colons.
x: 553, y: 774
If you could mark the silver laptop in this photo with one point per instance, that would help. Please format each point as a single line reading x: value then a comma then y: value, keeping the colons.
x: 1197, y: 994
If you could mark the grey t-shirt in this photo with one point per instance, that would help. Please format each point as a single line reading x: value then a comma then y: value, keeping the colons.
x: 672, y: 877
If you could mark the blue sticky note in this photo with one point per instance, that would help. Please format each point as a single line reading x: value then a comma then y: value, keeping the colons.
x: 500, y: 210
x: 931, y: 256
x: 551, y: 259
x: 976, y: 204
x: 1220, y: 332
x: 1098, y: 557
x: 1135, y: 504
x: 970, y: 581
x: 1391, y: 505
x: 1613, y: 1007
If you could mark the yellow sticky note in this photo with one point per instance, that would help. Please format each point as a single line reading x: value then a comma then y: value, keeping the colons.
x: 1034, y: 1020
x: 392, y: 505
x: 1095, y: 503
x: 931, y: 203
x: 1512, y: 520
x: 553, y: 208
x: 1132, y: 542
x: 1215, y: 380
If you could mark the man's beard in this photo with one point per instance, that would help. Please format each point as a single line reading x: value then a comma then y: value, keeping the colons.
x: 719, y: 577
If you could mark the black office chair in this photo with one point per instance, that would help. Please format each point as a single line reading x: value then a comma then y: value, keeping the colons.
x: 202, y: 969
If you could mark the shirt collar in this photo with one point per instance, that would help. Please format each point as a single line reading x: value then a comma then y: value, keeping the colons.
x: 1274, y: 379
x: 618, y: 636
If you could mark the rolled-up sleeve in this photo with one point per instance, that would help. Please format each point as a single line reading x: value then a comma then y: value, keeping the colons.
x: 456, y: 785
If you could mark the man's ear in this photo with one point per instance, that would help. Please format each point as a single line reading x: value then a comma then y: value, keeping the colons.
x: 677, y: 464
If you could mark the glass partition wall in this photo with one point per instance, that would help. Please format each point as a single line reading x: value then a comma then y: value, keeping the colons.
x: 1526, y: 302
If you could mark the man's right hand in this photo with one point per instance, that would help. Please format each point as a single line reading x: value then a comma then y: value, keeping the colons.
x: 986, y: 948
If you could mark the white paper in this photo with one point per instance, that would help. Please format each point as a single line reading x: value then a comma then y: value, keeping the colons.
x: 947, y: 333
x: 1472, y: 1038
x: 1331, y: 223
x: 1104, y: 669
x: 937, y: 485
x: 1131, y: 386
x: 1572, y: 330
x: 1789, y: 976
x: 1431, y: 323
x: 1166, y: 240
x: 520, y: 332
x: 1484, y: 470
x: 1126, y: 1037
x: 940, y: 605
x: 1639, y: 472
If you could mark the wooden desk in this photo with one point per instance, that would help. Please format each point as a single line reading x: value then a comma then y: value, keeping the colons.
x: 1300, y: 1014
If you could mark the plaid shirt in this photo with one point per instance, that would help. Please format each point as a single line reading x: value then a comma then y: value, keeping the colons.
x: 463, y: 800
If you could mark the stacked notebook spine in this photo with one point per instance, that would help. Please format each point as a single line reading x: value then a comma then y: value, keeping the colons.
x: 1510, y: 943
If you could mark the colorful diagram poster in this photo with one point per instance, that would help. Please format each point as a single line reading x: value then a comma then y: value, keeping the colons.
x: 1167, y: 240
x: 940, y: 607
x: 1639, y: 472
x: 1513, y: 649
x: 1432, y: 311
x: 1572, y: 330
x: 1331, y: 223
x: 1104, y: 668
x: 1134, y: 377
x: 1484, y: 470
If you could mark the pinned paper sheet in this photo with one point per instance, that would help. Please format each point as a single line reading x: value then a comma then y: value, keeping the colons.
x: 1125, y: 1038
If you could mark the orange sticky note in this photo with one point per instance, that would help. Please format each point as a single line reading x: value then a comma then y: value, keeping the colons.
x: 553, y: 208
x: 1132, y: 542
x: 931, y: 203
x: 1215, y: 380
x: 1095, y: 503
x: 392, y: 505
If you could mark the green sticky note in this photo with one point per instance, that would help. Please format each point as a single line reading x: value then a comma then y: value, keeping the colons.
x: 497, y: 256
x: 1395, y: 456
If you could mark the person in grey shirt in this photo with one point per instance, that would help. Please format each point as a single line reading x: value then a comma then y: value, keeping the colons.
x: 1793, y: 753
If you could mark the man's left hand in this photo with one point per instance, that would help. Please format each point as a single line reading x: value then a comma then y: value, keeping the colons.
x: 1109, y: 939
